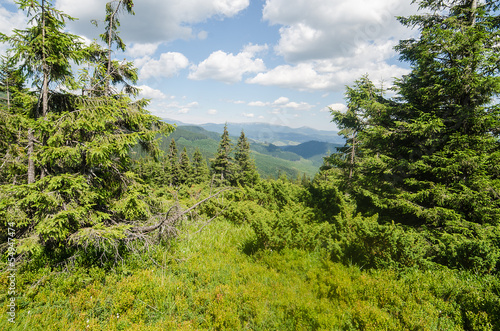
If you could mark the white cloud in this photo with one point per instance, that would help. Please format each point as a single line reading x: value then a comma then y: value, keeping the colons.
x: 300, y: 77
x: 168, y: 109
x: 11, y: 20
x: 212, y: 111
x: 202, y: 35
x: 319, y: 29
x: 281, y: 101
x: 297, y: 106
x: 151, y: 93
x: 281, y: 104
x: 168, y: 65
x: 248, y: 115
x: 257, y: 104
x: 229, y: 68
x: 140, y: 50
x: 8, y: 22
x: 154, y: 21
x: 328, y: 44
x: 332, y: 74
x: 335, y: 106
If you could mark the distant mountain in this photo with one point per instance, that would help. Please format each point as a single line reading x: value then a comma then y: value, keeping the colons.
x: 271, y: 160
x: 273, y: 134
x: 312, y: 148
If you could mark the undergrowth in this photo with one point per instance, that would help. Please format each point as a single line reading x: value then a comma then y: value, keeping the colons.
x: 210, y: 281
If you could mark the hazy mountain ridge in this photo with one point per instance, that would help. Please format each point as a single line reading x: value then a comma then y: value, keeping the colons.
x: 271, y: 134
x: 271, y: 160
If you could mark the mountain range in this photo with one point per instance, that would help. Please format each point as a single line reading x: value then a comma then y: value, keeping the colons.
x: 271, y: 134
x: 276, y: 149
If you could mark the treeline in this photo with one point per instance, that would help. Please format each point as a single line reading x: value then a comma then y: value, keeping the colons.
x: 229, y: 166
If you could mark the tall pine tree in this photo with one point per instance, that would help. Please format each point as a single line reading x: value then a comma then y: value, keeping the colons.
x: 79, y: 189
x: 245, y: 170
x: 173, y: 164
x: 222, y: 164
x: 185, y: 169
x: 200, y: 168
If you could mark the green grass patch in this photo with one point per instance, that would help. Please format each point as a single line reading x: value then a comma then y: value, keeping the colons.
x: 206, y: 281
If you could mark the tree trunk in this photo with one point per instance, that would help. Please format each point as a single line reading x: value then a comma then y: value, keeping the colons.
x: 473, y: 10
x: 110, y: 40
x: 353, y: 151
x: 31, y: 163
x: 45, y: 86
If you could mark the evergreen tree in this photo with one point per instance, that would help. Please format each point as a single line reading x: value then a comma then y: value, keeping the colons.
x: 13, y: 126
x: 82, y: 192
x: 246, y: 172
x: 365, y: 109
x: 173, y: 164
x: 222, y: 164
x: 116, y: 72
x: 185, y: 169
x: 200, y: 168
x: 433, y: 157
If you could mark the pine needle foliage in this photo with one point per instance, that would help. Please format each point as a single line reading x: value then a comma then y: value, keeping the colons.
x: 81, y: 191
x: 429, y: 157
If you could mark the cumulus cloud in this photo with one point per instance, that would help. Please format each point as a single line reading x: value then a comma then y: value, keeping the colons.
x: 282, y: 103
x: 248, y: 115
x: 141, y: 50
x: 300, y: 77
x: 151, y: 93
x: 11, y: 20
x: 8, y: 22
x: 335, y: 106
x: 257, y: 104
x: 175, y: 107
x: 168, y: 65
x: 229, y: 68
x: 330, y: 44
x: 154, y: 21
x: 319, y: 29
x: 335, y: 73
x: 212, y: 112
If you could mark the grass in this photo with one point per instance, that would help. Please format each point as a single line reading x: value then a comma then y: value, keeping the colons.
x: 207, y: 281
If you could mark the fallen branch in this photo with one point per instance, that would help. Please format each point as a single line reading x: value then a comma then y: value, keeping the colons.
x: 172, y: 220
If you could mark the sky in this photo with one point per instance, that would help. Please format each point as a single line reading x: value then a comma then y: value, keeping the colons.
x: 283, y: 62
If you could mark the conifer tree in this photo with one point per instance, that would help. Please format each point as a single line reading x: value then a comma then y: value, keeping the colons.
x: 13, y: 124
x: 185, y: 169
x: 83, y: 192
x: 222, y: 164
x: 245, y: 170
x: 173, y: 164
x: 431, y: 157
x: 116, y: 72
x: 200, y: 168
x: 365, y: 109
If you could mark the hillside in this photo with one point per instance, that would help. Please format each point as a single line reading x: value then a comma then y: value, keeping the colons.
x: 279, y: 135
x: 271, y: 160
x: 311, y: 149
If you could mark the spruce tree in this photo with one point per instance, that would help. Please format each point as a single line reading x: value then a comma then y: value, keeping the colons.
x: 366, y: 108
x: 431, y: 156
x: 115, y: 72
x: 173, y: 164
x: 222, y: 164
x: 185, y: 169
x: 79, y: 189
x: 245, y: 170
x: 200, y: 168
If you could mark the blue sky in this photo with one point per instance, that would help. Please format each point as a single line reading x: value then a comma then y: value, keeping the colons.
x: 282, y: 62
